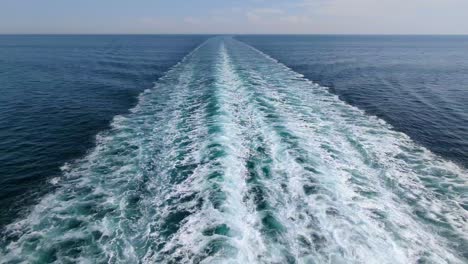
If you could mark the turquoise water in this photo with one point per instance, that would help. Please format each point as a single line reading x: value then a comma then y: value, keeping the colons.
x: 232, y: 157
x: 418, y: 84
x: 58, y: 91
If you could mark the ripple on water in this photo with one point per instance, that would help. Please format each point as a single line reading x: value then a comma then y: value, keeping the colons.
x: 234, y: 157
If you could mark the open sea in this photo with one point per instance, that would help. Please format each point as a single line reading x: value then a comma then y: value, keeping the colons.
x: 244, y: 149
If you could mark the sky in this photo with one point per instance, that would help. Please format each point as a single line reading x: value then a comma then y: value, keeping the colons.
x: 234, y: 16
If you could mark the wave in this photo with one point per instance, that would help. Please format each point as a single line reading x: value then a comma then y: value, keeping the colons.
x: 233, y: 157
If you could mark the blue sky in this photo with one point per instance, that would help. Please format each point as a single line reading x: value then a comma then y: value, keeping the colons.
x: 241, y: 16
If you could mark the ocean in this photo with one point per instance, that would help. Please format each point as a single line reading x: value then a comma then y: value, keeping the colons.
x: 418, y: 84
x: 57, y: 92
x: 246, y: 149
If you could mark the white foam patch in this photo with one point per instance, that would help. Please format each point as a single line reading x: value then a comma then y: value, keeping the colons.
x: 235, y: 158
x: 365, y: 146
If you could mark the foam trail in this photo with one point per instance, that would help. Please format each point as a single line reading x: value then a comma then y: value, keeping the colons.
x: 234, y: 158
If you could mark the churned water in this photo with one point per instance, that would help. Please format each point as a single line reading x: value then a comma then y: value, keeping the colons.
x: 418, y: 84
x: 58, y: 91
x: 235, y: 158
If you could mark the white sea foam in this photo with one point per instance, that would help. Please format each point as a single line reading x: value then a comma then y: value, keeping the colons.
x: 235, y: 158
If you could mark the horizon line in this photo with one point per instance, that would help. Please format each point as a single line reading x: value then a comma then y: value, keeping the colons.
x: 254, y: 34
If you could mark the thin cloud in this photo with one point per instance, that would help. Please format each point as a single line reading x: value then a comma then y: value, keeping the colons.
x: 243, y: 16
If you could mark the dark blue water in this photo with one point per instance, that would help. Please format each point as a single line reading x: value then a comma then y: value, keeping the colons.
x: 57, y: 92
x: 231, y: 157
x: 419, y: 84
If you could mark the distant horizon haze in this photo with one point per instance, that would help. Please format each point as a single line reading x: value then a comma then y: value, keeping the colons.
x: 335, y: 17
